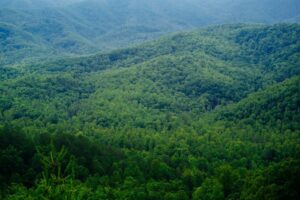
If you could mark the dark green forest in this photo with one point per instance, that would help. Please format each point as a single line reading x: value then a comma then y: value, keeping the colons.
x: 210, y: 114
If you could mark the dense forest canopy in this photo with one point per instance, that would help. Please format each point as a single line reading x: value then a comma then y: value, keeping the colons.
x: 208, y: 114
x: 149, y: 99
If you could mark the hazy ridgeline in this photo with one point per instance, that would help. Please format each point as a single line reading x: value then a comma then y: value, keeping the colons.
x: 32, y: 29
x: 179, y: 112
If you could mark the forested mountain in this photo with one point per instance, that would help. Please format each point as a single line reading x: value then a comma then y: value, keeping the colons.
x: 76, y: 27
x: 207, y: 114
x: 190, y: 72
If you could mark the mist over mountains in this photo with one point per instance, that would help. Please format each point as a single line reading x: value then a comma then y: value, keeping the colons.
x: 35, y: 29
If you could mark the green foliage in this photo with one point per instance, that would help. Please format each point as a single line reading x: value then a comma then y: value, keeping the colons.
x: 210, y: 114
x: 210, y: 190
x: 278, y: 181
x: 159, y: 85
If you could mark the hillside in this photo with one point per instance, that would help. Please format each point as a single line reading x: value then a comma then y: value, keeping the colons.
x: 162, y: 81
x: 207, y: 114
x: 72, y: 28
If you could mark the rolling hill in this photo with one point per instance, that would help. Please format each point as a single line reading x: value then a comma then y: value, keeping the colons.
x: 187, y: 73
x: 206, y: 114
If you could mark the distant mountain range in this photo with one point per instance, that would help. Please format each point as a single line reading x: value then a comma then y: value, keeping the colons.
x: 36, y: 29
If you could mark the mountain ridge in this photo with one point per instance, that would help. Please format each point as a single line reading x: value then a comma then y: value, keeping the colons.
x: 86, y: 27
x: 214, y: 66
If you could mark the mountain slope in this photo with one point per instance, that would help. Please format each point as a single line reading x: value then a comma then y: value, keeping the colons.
x: 275, y: 108
x: 160, y: 85
x: 19, y: 44
x: 239, y: 154
x: 212, y: 113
